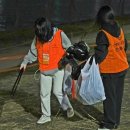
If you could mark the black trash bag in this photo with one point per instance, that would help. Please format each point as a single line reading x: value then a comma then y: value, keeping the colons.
x: 76, y: 70
x: 74, y: 56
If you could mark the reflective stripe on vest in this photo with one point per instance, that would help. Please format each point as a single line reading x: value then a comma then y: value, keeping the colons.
x: 116, y: 60
x: 50, y: 52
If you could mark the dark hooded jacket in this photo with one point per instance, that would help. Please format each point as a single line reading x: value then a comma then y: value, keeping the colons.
x: 101, y: 50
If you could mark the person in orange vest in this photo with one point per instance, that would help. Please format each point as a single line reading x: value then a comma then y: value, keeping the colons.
x: 48, y: 47
x: 110, y: 54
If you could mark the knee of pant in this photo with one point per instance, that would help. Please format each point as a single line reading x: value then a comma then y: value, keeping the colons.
x: 57, y: 93
x: 44, y: 94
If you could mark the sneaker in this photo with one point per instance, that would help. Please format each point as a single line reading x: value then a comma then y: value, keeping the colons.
x: 43, y: 119
x: 70, y: 112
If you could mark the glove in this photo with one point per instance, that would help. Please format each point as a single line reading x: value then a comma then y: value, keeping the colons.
x: 23, y: 65
x: 70, y: 50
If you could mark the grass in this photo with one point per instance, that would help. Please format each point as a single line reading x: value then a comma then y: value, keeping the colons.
x: 15, y: 36
x: 90, y: 26
x: 127, y: 36
x: 84, y: 26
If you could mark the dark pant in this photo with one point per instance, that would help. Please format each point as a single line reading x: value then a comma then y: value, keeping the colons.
x: 114, y: 86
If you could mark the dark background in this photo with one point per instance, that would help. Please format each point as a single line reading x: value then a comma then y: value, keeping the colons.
x: 22, y: 13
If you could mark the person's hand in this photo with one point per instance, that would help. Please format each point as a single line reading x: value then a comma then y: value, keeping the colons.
x: 23, y: 66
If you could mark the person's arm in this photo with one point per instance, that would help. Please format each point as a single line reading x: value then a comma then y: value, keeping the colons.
x: 66, y: 43
x: 126, y: 45
x: 31, y: 56
x: 101, y: 50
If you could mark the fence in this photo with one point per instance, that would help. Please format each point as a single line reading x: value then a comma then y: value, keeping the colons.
x: 22, y: 13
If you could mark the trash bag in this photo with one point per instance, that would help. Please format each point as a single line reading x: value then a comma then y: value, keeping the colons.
x: 91, y: 89
x: 67, y: 81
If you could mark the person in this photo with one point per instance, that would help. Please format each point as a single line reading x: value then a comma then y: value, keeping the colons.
x: 48, y: 46
x: 110, y: 54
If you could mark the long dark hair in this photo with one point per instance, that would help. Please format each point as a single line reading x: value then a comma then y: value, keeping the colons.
x: 105, y: 15
x: 43, y: 29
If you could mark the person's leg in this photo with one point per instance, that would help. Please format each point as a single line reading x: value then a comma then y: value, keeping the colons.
x: 110, y: 103
x: 119, y: 95
x: 57, y: 90
x: 45, y: 93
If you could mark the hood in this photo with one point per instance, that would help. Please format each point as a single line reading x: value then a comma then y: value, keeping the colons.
x: 113, y: 28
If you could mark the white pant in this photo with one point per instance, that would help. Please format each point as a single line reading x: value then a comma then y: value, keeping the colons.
x: 47, y: 82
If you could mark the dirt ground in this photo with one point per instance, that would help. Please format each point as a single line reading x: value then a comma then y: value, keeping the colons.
x: 23, y: 110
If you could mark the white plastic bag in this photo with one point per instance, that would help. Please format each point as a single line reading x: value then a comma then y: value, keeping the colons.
x: 78, y: 85
x: 67, y: 81
x: 91, y: 89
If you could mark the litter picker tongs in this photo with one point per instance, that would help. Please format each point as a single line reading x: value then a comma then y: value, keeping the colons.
x: 15, y: 86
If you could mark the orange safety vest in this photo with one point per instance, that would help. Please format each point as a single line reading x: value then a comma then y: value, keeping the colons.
x: 116, y: 60
x: 50, y: 52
